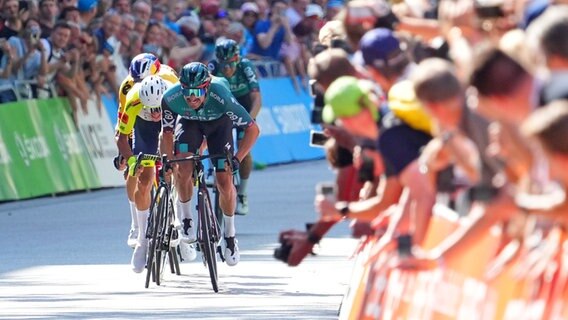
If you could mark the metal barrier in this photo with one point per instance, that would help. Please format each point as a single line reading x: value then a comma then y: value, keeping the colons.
x: 22, y: 89
x: 269, y: 68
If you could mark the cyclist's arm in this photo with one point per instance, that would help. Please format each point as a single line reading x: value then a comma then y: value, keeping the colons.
x: 242, y: 119
x: 252, y: 79
x: 168, y: 124
x: 125, y: 126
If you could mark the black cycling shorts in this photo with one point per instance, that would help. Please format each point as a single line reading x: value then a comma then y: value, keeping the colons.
x: 246, y: 102
x: 146, y: 136
x: 189, y: 136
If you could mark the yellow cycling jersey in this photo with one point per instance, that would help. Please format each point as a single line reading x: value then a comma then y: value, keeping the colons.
x: 133, y: 108
x: 166, y: 72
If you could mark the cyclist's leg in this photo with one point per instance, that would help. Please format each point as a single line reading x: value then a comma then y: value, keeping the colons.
x: 244, y: 173
x: 188, y: 138
x: 130, y: 189
x: 146, y: 141
x: 219, y: 134
x: 246, y: 165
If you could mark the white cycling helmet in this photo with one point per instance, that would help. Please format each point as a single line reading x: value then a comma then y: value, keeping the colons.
x: 152, y: 89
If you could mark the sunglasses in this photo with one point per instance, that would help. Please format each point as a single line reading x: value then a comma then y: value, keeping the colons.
x: 198, y: 92
x: 230, y: 64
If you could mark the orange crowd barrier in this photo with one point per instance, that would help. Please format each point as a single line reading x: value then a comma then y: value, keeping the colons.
x: 518, y: 282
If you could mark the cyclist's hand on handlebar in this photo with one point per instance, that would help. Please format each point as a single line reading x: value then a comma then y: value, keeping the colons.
x: 132, y: 170
x: 235, y: 164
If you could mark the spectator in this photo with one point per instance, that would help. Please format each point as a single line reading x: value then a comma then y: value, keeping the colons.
x: 295, y: 13
x: 109, y: 48
x: 153, y: 40
x: 263, y: 9
x: 68, y: 4
x: 13, y: 19
x: 71, y: 15
x: 222, y: 22
x: 126, y: 38
x: 142, y: 10
x: 250, y: 14
x: 64, y: 65
x: 30, y: 60
x: 122, y: 6
x: 48, y: 12
x: 88, y: 11
x: 332, y: 9
x: 384, y: 57
x: 6, y: 85
x: 549, y: 31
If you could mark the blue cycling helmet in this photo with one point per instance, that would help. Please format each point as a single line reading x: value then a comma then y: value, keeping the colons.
x: 143, y: 65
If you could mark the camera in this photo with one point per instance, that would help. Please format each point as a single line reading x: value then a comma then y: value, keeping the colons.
x: 319, y: 103
x: 283, y: 252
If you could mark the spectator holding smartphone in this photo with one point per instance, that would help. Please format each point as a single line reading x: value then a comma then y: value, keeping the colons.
x: 30, y: 61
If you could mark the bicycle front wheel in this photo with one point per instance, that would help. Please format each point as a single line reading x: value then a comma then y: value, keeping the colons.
x: 154, y: 219
x: 208, y: 242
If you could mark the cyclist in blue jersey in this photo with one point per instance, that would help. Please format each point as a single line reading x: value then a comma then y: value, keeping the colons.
x: 243, y: 83
x: 202, y: 106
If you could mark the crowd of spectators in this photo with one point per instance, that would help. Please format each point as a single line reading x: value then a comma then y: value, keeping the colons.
x: 452, y: 110
x: 84, y: 47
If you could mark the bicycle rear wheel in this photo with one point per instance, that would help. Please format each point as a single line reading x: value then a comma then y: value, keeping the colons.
x: 207, y: 240
x: 154, y: 219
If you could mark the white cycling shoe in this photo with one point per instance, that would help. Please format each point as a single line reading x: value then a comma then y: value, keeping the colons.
x: 232, y: 255
x: 138, y: 261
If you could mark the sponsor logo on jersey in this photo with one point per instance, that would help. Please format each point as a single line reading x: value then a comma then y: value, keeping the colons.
x: 168, y: 119
x: 123, y: 117
x: 126, y: 88
x: 217, y: 97
x: 238, y: 121
x: 251, y: 76
x: 173, y: 96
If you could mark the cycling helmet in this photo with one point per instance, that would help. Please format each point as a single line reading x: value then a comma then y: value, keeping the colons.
x: 227, y: 49
x: 143, y: 65
x: 194, y: 75
x: 152, y: 89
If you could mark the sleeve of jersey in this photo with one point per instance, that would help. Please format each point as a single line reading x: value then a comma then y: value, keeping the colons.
x: 169, y: 74
x: 128, y: 117
x: 251, y: 75
x: 241, y: 118
x: 125, y: 87
x: 168, y: 117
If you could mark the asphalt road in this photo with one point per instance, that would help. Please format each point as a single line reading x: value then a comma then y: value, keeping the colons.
x: 66, y: 258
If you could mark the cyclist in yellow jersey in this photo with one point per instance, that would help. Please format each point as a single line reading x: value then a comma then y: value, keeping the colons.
x: 141, y: 66
x: 141, y: 117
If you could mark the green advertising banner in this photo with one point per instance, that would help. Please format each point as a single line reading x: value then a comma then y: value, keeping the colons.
x: 41, y: 151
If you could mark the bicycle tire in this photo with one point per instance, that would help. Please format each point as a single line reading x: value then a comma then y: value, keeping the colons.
x: 208, y: 244
x: 161, y: 241
x: 152, y: 230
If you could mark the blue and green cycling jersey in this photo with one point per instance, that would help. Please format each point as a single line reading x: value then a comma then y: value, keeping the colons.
x: 218, y: 103
x: 243, y: 81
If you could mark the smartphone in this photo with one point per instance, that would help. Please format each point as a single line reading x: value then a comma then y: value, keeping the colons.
x: 318, y: 139
x: 312, y: 88
x: 404, y: 245
x: 489, y: 12
x: 326, y: 189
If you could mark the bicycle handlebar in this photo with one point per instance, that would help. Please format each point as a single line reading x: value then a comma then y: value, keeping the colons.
x: 196, y: 157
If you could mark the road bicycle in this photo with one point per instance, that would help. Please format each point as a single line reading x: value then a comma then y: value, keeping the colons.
x: 208, y: 227
x: 161, y: 231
